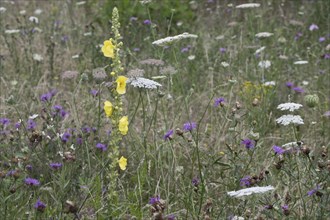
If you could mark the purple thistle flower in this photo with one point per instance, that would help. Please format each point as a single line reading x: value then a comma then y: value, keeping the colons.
x: 321, y: 39
x: 65, y: 137
x: 184, y: 49
x: 326, y: 56
x: 147, y: 22
x: 249, y: 144
x: 195, y: 181
x: 298, y: 35
x: 11, y: 173
x: 245, y: 181
x: 133, y: 19
x: 17, y: 125
x: 79, y: 140
x: 57, y: 108
x: 28, y: 167
x: 168, y: 135
x: 171, y: 217
x: 31, y: 182
x: 55, y: 166
x: 285, y: 207
x: 31, y: 125
x: 289, y: 85
x: 154, y: 200
x: 102, y: 147
x: 189, y: 126
x: 219, y: 101
x: 86, y: 129
x: 313, y: 27
x: 298, y: 89
x: 222, y: 50
x: 4, y: 121
x: 313, y: 191
x: 46, y: 97
x: 40, y: 206
x: 94, y: 92
x: 278, y: 150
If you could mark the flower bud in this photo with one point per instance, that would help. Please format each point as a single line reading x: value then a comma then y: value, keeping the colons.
x: 311, y: 100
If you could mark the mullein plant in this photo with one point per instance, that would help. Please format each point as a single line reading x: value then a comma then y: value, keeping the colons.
x: 113, y: 108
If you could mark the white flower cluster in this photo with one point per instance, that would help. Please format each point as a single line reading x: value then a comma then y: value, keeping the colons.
x: 264, y: 64
x: 249, y: 191
x: 249, y: 5
x: 290, y: 119
x: 141, y: 82
x: 260, y: 50
x: 167, y: 40
x: 300, y: 62
x: 264, y: 34
x: 12, y: 31
x: 269, y: 83
x: 37, y: 57
x: 291, y: 106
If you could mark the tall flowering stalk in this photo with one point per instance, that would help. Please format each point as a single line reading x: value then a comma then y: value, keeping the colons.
x: 114, y: 108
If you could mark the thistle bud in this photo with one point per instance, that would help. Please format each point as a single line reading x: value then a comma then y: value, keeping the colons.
x: 311, y: 100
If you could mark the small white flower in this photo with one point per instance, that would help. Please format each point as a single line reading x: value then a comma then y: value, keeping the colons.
x: 88, y: 34
x: 264, y: 64
x: 141, y: 82
x: 3, y: 9
x: 305, y: 83
x: 38, y: 11
x: 264, y: 34
x: 36, y: 29
x: 37, y: 57
x: 34, y: 19
x: 269, y: 83
x: 249, y: 191
x: 290, y: 119
x: 300, y: 62
x: 237, y: 218
x: 75, y: 56
x: 224, y: 64
x: 81, y: 3
x: 291, y: 106
x: 291, y: 145
x: 33, y: 116
x: 22, y: 12
x: 191, y: 57
x: 283, y: 57
x: 12, y: 31
x: 249, y: 5
x: 167, y: 40
x: 260, y: 50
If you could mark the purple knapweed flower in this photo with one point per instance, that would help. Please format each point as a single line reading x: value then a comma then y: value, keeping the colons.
x: 133, y: 19
x: 79, y: 140
x: 245, y: 181
x: 313, y: 27
x: 168, y: 135
x: 321, y: 39
x: 102, y: 147
x: 31, y: 182
x: 298, y: 35
x: 184, y: 50
x: 57, y: 108
x: 326, y: 114
x: 86, y: 129
x: 55, y: 166
x: 222, y: 50
x: 195, y: 181
x: 147, y: 22
x: 285, y: 209
x: 65, y: 137
x: 219, y: 101
x: 11, y: 173
x: 94, y: 92
x: 18, y: 125
x: 136, y: 49
x: 4, y: 121
x: 189, y: 126
x: 46, y: 97
x: 28, y: 167
x: 31, y: 124
x: 313, y: 191
x: 64, y: 38
x: 289, y: 85
x: 249, y: 144
x: 268, y: 207
x: 154, y: 200
x: 298, y: 89
x: 278, y: 150
x: 171, y: 217
x: 39, y: 205
x: 326, y: 56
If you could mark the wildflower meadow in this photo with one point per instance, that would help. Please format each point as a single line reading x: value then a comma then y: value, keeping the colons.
x: 164, y: 109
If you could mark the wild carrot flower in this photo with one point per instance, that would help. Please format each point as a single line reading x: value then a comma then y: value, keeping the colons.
x: 290, y: 106
x: 249, y: 144
x: 168, y: 135
x: 189, y: 126
x: 249, y: 191
x: 108, y: 49
x: 121, y: 84
x: 249, y: 5
x: 39, y: 205
x: 31, y: 182
x: 123, y: 125
x: 102, y: 147
x: 108, y: 109
x: 122, y: 163
x: 141, y: 82
x: 290, y: 119
x: 168, y: 40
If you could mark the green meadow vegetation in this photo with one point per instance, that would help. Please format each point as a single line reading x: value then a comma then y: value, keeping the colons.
x: 164, y: 109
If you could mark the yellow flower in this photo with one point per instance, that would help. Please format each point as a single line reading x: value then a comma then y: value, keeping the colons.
x: 122, y: 163
x: 123, y: 125
x: 121, y: 84
x: 108, y: 49
x: 108, y: 108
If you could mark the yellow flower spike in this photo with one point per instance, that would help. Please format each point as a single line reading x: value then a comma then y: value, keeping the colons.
x: 108, y: 109
x: 123, y: 125
x: 108, y: 49
x: 121, y: 84
x: 122, y: 163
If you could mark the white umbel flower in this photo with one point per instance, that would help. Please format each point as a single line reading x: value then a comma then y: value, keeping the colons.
x: 12, y: 31
x: 37, y: 57
x: 249, y: 191
x: 249, y: 5
x: 269, y: 83
x: 3, y: 9
x: 291, y: 106
x: 34, y: 19
x: 264, y: 34
x: 141, y: 82
x: 300, y: 62
x: 237, y: 218
x: 224, y: 64
x: 264, y: 64
x: 260, y: 50
x: 290, y: 119
x: 167, y: 40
